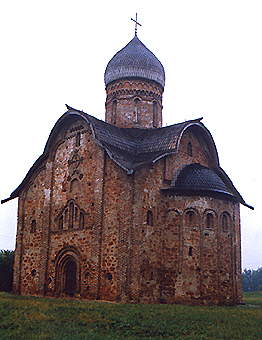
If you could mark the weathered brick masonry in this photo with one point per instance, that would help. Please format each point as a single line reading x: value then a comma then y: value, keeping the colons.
x: 125, y: 210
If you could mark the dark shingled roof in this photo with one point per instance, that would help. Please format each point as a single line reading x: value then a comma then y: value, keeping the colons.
x: 198, y: 179
x: 135, y: 60
x: 132, y: 148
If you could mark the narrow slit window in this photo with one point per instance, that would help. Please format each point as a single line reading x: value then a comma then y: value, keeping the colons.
x: 114, y: 106
x: 137, y: 110
x: 190, y: 217
x: 76, y: 213
x: 78, y: 138
x: 81, y: 220
x: 190, y: 251
x: 66, y: 217
x: 149, y: 218
x: 189, y: 149
x: 225, y: 222
x: 209, y: 220
x: 61, y: 223
x: 71, y: 215
x: 33, y: 226
x: 155, y: 114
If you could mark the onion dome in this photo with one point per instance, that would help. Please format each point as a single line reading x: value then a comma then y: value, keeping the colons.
x: 135, y: 60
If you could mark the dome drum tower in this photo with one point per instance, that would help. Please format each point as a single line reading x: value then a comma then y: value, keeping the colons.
x: 134, y: 103
x: 134, y: 80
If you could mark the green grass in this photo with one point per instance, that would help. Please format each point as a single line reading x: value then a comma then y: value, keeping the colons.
x: 42, y: 318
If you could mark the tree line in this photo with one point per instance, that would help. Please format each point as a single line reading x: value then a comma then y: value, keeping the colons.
x: 251, y: 279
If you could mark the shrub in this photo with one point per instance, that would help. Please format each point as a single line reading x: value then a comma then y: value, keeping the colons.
x: 6, y: 269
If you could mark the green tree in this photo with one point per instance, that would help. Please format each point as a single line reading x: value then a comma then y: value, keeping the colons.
x: 252, y: 279
x: 6, y: 269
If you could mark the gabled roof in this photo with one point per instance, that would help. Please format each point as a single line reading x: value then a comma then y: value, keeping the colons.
x: 130, y: 148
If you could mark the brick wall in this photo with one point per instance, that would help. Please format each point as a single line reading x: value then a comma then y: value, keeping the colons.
x: 134, y: 103
x: 129, y: 241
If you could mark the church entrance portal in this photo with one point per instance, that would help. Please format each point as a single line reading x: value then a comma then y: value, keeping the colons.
x: 69, y: 277
x: 67, y: 280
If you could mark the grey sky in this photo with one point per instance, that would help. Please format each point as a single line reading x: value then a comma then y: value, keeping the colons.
x: 55, y: 52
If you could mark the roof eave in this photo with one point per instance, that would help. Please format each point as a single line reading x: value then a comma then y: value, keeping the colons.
x: 219, y: 194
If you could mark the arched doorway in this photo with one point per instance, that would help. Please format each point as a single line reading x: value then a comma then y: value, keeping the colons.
x: 68, y: 276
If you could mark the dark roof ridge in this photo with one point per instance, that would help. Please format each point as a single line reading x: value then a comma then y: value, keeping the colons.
x: 121, y: 144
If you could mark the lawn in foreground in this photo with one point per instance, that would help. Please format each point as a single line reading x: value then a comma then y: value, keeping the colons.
x: 42, y: 318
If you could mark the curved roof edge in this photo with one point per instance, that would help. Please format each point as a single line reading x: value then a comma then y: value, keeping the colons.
x: 230, y: 184
x: 71, y: 113
x: 206, y: 135
x: 45, y: 153
x: 129, y: 148
x: 196, y: 179
x: 128, y: 136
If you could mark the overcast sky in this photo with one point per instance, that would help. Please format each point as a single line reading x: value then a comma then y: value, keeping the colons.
x: 55, y: 52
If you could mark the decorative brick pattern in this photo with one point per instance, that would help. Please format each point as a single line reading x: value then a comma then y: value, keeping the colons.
x: 140, y: 100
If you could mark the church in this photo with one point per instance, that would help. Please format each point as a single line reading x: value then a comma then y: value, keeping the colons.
x: 126, y: 210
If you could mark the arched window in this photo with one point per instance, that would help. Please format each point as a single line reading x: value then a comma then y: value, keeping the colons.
x: 60, y: 223
x: 71, y: 214
x: 78, y: 138
x: 81, y: 220
x: 136, y: 110
x: 33, y: 226
x: 225, y: 222
x: 190, y: 218
x: 155, y: 114
x: 76, y: 213
x: 66, y: 217
x: 149, y: 218
x: 189, y: 149
x: 114, y: 106
x: 209, y: 220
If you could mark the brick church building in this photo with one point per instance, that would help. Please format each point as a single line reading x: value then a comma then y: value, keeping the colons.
x: 127, y: 210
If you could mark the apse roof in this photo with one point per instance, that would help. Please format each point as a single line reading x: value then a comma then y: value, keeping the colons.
x: 135, y: 60
x: 200, y: 178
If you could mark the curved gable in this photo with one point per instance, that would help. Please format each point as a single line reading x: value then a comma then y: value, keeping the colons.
x: 201, y: 142
x: 57, y: 134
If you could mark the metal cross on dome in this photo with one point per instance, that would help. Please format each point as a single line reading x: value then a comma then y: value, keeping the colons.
x: 137, y: 23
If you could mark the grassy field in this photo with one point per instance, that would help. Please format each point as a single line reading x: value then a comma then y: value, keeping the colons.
x: 42, y: 318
